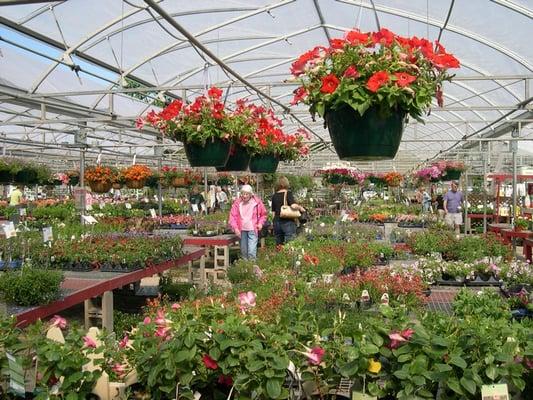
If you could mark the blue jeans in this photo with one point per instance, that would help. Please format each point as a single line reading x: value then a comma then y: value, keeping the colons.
x: 249, y: 245
x: 284, y: 230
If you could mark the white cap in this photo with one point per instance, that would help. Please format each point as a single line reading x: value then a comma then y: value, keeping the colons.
x: 247, y: 189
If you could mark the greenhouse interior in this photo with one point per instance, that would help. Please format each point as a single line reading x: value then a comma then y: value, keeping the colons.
x: 248, y: 199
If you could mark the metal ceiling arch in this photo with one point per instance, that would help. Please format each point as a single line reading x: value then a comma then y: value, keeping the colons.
x: 474, y: 107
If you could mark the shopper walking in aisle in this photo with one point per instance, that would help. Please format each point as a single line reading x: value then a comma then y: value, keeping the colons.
x: 284, y: 228
x: 16, y: 199
x: 222, y: 198
x: 452, y: 207
x: 424, y: 198
x: 247, y: 217
x: 439, y: 204
x: 196, y: 200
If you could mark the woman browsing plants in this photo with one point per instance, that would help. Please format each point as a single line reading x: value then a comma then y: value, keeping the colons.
x: 284, y: 228
x: 247, y: 217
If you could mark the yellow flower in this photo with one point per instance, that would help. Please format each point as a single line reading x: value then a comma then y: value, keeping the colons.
x: 374, y: 366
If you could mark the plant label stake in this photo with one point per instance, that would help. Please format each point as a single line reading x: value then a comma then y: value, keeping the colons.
x: 128, y: 206
x: 495, y: 392
x: 47, y: 234
x: 152, y: 213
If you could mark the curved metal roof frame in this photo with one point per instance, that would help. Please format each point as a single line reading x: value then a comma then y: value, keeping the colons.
x: 477, y: 109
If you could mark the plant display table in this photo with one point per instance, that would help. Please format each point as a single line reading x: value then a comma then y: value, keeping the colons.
x: 84, y: 286
x: 217, y: 248
x: 509, y: 234
x: 497, y: 228
x: 528, y: 245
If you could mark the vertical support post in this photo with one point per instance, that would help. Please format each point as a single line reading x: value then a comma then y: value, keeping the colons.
x: 484, y: 193
x: 206, y: 191
x: 82, y: 184
x: 466, y: 220
x: 514, y: 147
x: 158, y: 150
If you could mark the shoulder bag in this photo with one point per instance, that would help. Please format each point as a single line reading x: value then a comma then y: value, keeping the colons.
x: 286, y: 211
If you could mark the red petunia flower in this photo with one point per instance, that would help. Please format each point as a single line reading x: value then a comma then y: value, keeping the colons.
x: 337, y: 44
x: 329, y: 83
x: 299, y: 95
x: 377, y: 80
x: 214, y: 93
x: 356, y: 37
x: 209, y: 362
x: 403, y: 79
x: 351, y: 72
x: 225, y: 380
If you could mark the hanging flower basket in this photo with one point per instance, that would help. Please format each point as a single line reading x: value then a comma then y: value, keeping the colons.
x: 266, y: 164
x: 373, y: 136
x: 6, y: 177
x: 213, y: 154
x: 180, y: 181
x: 238, y: 160
x: 135, y: 184
x: 26, y: 175
x: 100, y: 187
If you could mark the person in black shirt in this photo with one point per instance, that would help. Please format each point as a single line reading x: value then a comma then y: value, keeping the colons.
x: 284, y: 229
x: 196, y: 198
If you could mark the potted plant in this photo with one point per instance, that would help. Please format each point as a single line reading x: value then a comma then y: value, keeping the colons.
x: 136, y: 175
x: 450, y: 170
x: 521, y: 224
x: 100, y: 178
x: 200, y: 125
x: 225, y: 179
x: 365, y: 84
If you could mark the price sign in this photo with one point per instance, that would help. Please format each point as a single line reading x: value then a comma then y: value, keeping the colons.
x: 9, y: 230
x: 495, y: 392
x: 47, y: 234
x: 89, y: 219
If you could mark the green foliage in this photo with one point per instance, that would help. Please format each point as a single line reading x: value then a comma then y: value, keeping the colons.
x: 175, y: 291
x: 432, y: 241
x: 31, y: 286
x: 487, y: 303
x: 241, y: 271
x: 124, y: 322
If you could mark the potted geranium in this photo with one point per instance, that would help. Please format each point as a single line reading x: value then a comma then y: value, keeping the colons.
x: 225, y: 179
x: 365, y: 84
x: 99, y: 178
x: 136, y: 175
x: 200, y: 125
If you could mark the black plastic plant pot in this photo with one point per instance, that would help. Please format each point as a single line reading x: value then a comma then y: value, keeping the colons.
x: 266, y: 164
x: 212, y: 154
x: 372, y: 136
x: 452, y: 175
x: 238, y: 160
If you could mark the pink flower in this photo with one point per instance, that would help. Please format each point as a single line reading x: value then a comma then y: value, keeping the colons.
x: 147, y: 320
x: 315, y: 355
x: 175, y: 306
x: 118, y: 369
x: 162, y: 331
x: 247, y: 299
x: 407, y: 333
x: 160, y: 320
x: 209, y: 362
x: 139, y: 123
x: 58, y: 321
x: 124, y: 342
x: 88, y: 342
x: 396, y: 339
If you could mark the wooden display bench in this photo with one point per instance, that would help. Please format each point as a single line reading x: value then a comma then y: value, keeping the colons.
x: 528, y: 246
x: 509, y: 234
x: 217, y: 249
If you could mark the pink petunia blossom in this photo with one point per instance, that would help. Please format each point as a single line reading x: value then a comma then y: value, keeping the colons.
x: 175, y: 306
x: 247, y: 299
x: 124, y: 342
x: 315, y: 355
x: 119, y: 369
x: 58, y: 321
x: 88, y: 342
x: 147, y: 320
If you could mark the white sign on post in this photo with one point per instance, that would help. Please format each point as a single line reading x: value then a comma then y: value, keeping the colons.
x: 47, y: 234
x: 194, y: 207
x: 128, y: 206
x: 9, y: 230
x: 152, y: 213
x: 22, y: 212
x: 89, y: 219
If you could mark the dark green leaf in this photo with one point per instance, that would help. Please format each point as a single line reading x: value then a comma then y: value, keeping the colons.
x: 273, y: 388
x: 468, y: 385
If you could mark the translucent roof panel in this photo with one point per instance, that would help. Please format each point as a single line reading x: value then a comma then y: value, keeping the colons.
x: 77, y: 60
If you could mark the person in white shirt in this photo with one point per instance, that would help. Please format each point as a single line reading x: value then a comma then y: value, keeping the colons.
x: 222, y: 198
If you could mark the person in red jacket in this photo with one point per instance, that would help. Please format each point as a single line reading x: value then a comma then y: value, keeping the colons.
x: 247, y: 217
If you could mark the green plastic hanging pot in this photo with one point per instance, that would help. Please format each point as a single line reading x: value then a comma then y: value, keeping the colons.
x: 452, y: 175
x: 373, y: 136
x: 238, y: 160
x: 27, y: 176
x: 212, y: 154
x: 266, y: 164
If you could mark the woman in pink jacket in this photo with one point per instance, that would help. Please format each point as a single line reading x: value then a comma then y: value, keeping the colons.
x: 247, y: 216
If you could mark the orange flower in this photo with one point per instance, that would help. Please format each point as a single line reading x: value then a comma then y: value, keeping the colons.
x: 137, y: 172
